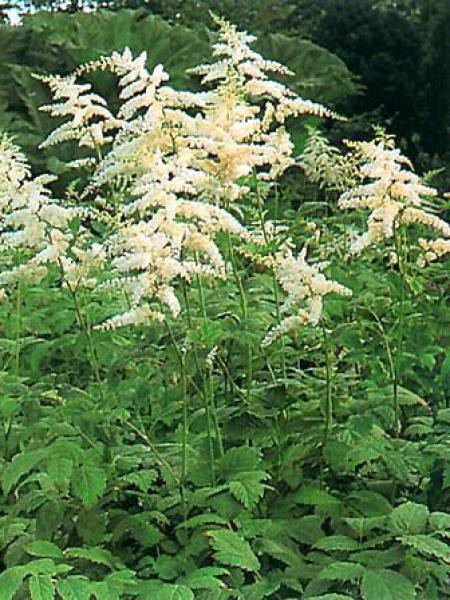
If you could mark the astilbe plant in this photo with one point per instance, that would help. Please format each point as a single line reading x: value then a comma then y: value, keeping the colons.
x: 177, y: 171
x: 239, y: 446
x: 381, y: 180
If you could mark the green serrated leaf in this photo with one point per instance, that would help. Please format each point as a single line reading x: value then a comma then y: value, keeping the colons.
x: 314, y: 496
x: 342, y: 571
x: 10, y: 582
x: 74, y: 588
x: 59, y: 470
x: 361, y: 455
x: 385, y: 584
x: 205, y: 578
x: 264, y: 588
x: 238, y: 460
x: 143, y: 479
x: 288, y: 555
x: 44, y: 549
x: 20, y: 465
x: 205, y: 519
x: 363, y: 526
x: 408, y: 518
x: 233, y: 550
x: 158, y: 590
x: 371, y: 504
x: 97, y: 555
x: 428, y: 545
x: 336, y: 542
x: 45, y: 566
x: 440, y: 522
x: 331, y: 597
x: 102, y: 591
x: 248, y: 489
x: 88, y: 484
x: 41, y: 587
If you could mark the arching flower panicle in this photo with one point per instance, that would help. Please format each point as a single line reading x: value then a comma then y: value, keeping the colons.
x: 433, y: 250
x: 394, y: 195
x: 305, y: 287
x: 33, y: 225
x: 89, y: 120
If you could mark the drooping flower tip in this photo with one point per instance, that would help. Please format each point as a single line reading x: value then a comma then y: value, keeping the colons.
x: 433, y: 250
x: 304, y: 284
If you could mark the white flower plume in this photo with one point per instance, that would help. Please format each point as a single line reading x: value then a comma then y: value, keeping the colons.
x: 394, y: 194
x: 33, y: 225
x: 305, y: 286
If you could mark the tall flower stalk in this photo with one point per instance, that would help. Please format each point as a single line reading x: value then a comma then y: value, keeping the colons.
x: 306, y: 286
x: 396, y: 198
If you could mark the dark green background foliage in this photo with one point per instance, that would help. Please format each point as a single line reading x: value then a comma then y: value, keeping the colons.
x: 92, y: 502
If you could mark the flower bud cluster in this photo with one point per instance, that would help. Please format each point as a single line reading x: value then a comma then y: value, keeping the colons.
x: 326, y: 166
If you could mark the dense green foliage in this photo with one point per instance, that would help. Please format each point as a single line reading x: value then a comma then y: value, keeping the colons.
x: 183, y: 460
x: 91, y: 469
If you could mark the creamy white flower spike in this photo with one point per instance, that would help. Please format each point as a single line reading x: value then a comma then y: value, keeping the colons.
x: 33, y: 226
x: 242, y: 138
x: 176, y: 243
x: 89, y: 120
x: 394, y: 195
x: 433, y: 250
x: 305, y: 286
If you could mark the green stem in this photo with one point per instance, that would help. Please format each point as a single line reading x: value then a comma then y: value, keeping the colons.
x: 242, y: 296
x: 209, y: 405
x: 274, y: 279
x: 184, y: 433
x: 278, y: 315
x: 209, y: 433
x: 18, y: 327
x: 329, y: 397
x: 181, y: 355
x: 207, y: 402
x: 153, y: 448
x: 229, y: 377
x: 243, y: 300
x: 201, y: 296
x: 392, y: 367
x: 400, y: 251
x: 186, y: 303
x: 84, y: 327
x: 214, y: 414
